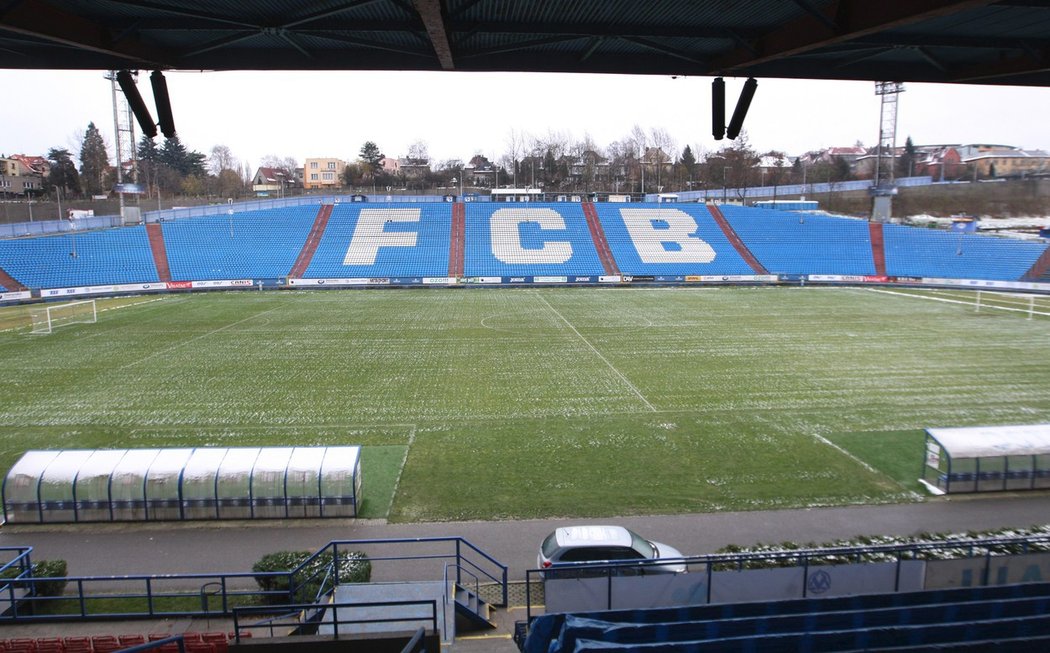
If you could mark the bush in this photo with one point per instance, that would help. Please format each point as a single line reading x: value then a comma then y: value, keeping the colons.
x: 44, y: 569
x: 313, y: 579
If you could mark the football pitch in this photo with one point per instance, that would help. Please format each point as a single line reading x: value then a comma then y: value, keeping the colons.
x: 547, y: 402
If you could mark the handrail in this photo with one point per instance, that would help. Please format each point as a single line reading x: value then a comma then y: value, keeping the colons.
x: 175, y: 594
x: 974, y: 547
x: 415, y: 645
x: 154, y: 645
x: 477, y: 583
x: 240, y: 613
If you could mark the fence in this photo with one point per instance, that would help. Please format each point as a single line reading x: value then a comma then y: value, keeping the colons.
x: 218, y: 594
x: 789, y: 574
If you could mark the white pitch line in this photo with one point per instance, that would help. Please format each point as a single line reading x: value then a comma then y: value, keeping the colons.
x: 196, y: 338
x: 952, y: 301
x: 598, y: 354
x: 401, y: 469
x: 860, y: 462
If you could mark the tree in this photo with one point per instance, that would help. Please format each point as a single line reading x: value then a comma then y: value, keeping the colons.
x: 688, y: 162
x: 63, y: 175
x: 173, y: 154
x: 221, y: 159
x: 195, y: 164
x: 371, y: 158
x: 94, y: 161
x: 286, y: 163
x: 229, y: 184
x: 906, y: 162
x: 418, y: 154
x: 186, y: 163
x: 149, y: 164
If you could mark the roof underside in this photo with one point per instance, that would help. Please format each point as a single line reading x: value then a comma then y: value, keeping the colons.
x: 970, y: 41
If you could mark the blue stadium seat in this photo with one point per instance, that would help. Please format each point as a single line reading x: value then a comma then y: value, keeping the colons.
x: 247, y: 245
x: 919, y: 252
x: 1000, y: 612
x: 795, y: 243
x: 387, y: 240
x: 528, y: 239
x: 657, y: 239
x: 89, y: 258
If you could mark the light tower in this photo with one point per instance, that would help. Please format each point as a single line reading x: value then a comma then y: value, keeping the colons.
x: 124, y: 128
x: 883, y: 189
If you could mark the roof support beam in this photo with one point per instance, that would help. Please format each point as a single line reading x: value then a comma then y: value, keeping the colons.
x: 1003, y: 70
x: 43, y: 20
x: 853, y: 19
x: 430, y: 12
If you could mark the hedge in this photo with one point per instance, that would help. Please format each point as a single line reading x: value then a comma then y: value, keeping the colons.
x: 311, y: 580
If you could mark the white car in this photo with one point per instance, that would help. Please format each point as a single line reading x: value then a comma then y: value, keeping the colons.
x: 597, y: 544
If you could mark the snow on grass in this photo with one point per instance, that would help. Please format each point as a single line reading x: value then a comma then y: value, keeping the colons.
x: 527, y: 403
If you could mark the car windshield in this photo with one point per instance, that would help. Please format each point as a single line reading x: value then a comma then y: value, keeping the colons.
x: 550, y: 545
x: 642, y: 545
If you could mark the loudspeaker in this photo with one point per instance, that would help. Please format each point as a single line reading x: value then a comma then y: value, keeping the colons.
x: 718, y: 108
x: 163, y: 102
x: 138, y: 107
x: 742, y: 105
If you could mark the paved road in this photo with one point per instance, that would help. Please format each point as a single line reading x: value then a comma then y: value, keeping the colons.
x: 109, y: 549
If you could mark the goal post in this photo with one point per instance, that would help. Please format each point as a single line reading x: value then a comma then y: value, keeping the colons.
x: 45, y: 319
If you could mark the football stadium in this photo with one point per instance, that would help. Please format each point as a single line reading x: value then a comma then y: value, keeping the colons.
x: 431, y: 383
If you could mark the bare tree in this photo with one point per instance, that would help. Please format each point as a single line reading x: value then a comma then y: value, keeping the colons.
x: 418, y: 153
x: 286, y: 163
x: 515, y: 148
x: 221, y: 159
x: 661, y: 154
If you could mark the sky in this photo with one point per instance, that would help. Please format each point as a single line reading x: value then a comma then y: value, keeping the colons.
x: 457, y: 115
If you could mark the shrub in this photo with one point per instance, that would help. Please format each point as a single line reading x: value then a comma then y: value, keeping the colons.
x: 44, y: 569
x: 50, y: 569
x: 311, y: 580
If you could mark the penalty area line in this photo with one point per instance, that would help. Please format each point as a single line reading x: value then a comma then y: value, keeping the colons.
x: 401, y: 468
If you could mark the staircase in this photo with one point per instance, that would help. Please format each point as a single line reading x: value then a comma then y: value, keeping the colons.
x: 472, y: 612
x: 456, y: 238
x: 9, y: 282
x: 160, y: 253
x: 1039, y: 269
x: 735, y: 241
x: 306, y: 254
x: 878, y: 249
x: 601, y: 243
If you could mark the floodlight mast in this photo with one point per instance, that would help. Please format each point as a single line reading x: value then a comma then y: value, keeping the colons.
x: 124, y: 130
x: 883, y: 187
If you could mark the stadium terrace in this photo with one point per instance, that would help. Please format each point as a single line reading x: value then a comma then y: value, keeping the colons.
x: 327, y: 242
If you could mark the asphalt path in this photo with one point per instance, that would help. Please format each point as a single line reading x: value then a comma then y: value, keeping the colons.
x: 207, y: 547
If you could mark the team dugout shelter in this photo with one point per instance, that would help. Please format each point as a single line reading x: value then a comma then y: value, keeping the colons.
x: 204, y: 483
x: 987, y: 458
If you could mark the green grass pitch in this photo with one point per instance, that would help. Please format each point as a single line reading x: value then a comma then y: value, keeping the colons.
x: 526, y: 403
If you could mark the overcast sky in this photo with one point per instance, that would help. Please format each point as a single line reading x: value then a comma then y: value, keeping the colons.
x: 318, y: 114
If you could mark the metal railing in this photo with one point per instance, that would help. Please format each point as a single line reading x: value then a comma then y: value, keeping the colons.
x: 191, y: 595
x: 299, y: 616
x: 803, y: 559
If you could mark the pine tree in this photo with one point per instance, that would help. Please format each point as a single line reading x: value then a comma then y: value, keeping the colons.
x: 372, y: 157
x: 94, y: 161
x: 63, y: 175
x: 174, y: 155
x: 149, y: 161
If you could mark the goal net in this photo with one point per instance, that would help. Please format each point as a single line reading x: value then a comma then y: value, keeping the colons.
x: 47, y: 318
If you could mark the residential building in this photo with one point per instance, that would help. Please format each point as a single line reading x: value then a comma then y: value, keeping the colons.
x: 274, y: 181
x: 992, y: 161
x: 21, y: 174
x: 323, y: 173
